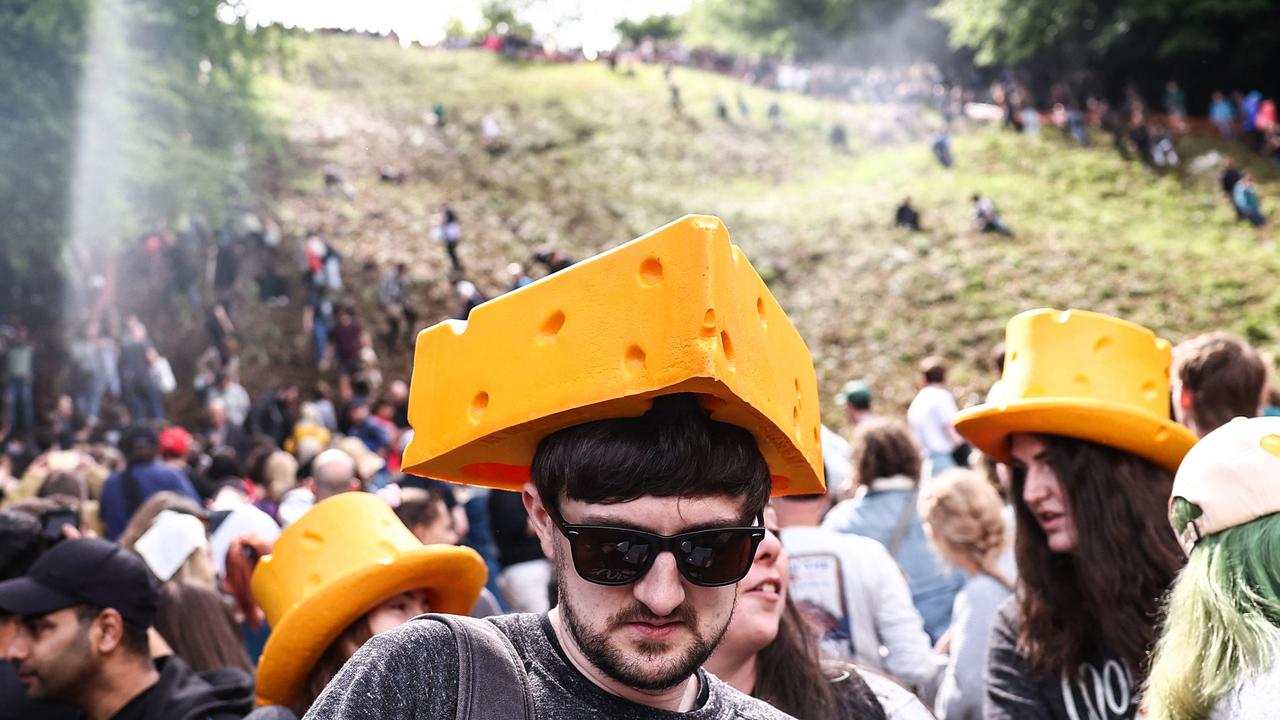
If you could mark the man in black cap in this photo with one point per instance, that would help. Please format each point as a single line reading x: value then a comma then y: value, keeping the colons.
x: 85, y: 607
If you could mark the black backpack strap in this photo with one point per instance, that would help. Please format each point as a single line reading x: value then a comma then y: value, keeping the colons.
x: 492, y: 683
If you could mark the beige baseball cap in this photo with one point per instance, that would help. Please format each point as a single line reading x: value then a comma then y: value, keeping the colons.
x: 1232, y: 475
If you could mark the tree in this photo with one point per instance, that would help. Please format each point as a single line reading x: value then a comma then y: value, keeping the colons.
x: 505, y: 17
x: 654, y: 27
x: 857, y: 31
x: 120, y: 114
x: 1205, y: 41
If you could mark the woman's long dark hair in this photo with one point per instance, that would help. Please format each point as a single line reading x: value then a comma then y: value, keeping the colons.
x: 1106, y: 595
x: 792, y: 678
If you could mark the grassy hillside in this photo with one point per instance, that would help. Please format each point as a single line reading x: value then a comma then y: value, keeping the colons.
x: 596, y: 159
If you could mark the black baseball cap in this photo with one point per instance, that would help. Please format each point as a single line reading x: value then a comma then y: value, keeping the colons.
x: 90, y: 571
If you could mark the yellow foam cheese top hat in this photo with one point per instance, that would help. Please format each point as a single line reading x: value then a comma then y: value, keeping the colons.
x: 343, y: 558
x: 1081, y: 375
x: 677, y: 310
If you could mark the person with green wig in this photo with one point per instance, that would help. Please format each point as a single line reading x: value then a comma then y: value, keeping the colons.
x: 1217, y: 653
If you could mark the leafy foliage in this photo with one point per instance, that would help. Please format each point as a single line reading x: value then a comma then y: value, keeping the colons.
x: 869, y: 31
x: 1235, y: 36
x: 654, y: 27
x: 505, y: 17
x: 120, y: 114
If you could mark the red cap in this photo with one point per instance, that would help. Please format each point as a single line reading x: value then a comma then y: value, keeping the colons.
x: 174, y: 442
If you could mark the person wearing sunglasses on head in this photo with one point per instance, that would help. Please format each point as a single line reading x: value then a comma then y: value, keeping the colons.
x: 659, y: 397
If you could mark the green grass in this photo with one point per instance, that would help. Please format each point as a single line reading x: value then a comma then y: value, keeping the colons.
x: 597, y: 159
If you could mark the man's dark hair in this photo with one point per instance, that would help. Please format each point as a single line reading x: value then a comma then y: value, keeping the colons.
x: 418, y: 506
x: 934, y: 369
x: 133, y: 639
x: 20, y: 543
x: 1224, y: 375
x: 673, y: 450
x: 139, y: 444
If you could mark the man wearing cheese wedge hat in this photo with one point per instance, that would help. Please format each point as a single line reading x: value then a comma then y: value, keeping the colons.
x: 1216, y: 657
x: 345, y: 571
x: 1082, y: 417
x: 646, y: 403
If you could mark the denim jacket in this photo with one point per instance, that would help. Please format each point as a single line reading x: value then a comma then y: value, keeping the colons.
x: 874, y: 513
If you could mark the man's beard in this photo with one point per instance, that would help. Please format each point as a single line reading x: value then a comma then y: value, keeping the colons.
x: 641, y: 670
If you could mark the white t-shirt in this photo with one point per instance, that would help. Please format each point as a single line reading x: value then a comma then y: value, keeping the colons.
x: 858, y: 595
x: 1254, y: 698
x: 930, y: 416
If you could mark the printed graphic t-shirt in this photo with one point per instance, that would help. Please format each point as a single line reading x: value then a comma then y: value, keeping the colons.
x: 1103, y: 690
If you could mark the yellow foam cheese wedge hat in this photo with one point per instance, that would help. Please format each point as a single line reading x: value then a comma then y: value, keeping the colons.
x: 677, y: 310
x: 1081, y: 375
x: 343, y: 558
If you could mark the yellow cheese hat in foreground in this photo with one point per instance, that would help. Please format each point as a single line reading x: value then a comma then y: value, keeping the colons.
x: 344, y: 557
x: 677, y: 310
x: 1082, y: 375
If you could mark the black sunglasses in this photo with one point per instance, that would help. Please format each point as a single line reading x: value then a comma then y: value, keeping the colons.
x: 620, y: 556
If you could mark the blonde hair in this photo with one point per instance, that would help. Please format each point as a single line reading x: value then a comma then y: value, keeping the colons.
x: 963, y: 517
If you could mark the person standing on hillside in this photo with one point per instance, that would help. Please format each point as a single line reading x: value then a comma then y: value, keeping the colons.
x: 401, y: 319
x: 941, y: 147
x: 96, y: 362
x: 1223, y: 115
x: 775, y: 115
x: 930, y: 415
x: 344, y: 348
x: 450, y: 233
x: 1175, y: 106
x: 19, y: 365
x: 136, y: 380
x: 1227, y: 181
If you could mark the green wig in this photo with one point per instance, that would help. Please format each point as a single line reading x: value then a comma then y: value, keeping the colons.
x: 1222, y: 618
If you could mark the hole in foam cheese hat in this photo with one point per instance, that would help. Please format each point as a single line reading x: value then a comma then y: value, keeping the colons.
x: 677, y: 310
x: 1081, y: 375
x: 344, y: 557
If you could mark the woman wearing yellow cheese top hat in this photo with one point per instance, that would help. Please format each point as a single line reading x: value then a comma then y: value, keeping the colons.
x: 344, y: 572
x: 1083, y: 419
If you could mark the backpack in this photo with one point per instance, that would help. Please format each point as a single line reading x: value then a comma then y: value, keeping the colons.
x: 492, y: 683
